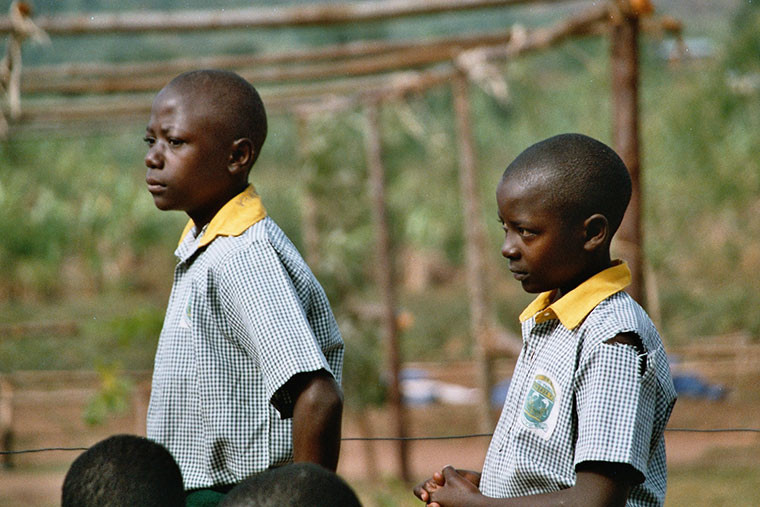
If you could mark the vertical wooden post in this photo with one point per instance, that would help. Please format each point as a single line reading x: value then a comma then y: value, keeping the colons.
x: 475, y: 244
x: 386, y: 277
x: 6, y: 421
x: 625, y: 101
x: 140, y: 397
x: 309, y: 203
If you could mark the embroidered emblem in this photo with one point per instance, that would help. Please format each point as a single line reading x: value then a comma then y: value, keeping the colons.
x: 540, y: 410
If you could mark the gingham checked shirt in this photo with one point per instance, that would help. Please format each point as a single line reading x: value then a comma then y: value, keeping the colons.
x: 244, y: 316
x: 574, y: 398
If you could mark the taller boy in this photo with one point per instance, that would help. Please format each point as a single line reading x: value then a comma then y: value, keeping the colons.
x: 591, y: 392
x: 248, y: 365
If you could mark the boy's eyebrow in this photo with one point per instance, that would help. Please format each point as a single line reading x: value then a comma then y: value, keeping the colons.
x: 163, y: 130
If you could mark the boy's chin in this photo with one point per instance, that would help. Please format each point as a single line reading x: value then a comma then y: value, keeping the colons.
x: 162, y: 204
x: 531, y: 288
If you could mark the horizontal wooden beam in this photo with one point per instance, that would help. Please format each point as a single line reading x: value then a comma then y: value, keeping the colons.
x: 283, y: 100
x: 407, y: 58
x: 443, y: 46
x: 254, y: 17
x: 585, y: 23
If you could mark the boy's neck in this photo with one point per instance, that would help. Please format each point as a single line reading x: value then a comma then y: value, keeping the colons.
x: 201, y: 219
x: 604, y: 262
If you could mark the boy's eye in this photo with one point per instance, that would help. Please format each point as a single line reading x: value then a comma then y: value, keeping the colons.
x: 149, y: 140
x: 173, y: 141
x: 525, y: 233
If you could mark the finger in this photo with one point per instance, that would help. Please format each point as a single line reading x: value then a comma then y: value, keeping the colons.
x: 421, y: 493
x: 448, y: 471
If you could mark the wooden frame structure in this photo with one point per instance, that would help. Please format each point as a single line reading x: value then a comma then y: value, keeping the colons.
x: 361, y: 74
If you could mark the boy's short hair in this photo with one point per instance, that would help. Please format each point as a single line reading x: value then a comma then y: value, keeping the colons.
x: 122, y: 471
x: 294, y: 485
x: 236, y: 101
x: 585, y: 176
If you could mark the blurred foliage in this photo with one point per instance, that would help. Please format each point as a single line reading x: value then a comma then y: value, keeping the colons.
x: 333, y: 173
x: 113, y: 396
x: 743, y: 48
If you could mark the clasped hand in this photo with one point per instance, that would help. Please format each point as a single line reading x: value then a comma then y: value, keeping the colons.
x: 449, y: 488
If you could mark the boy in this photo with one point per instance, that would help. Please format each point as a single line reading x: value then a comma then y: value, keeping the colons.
x: 296, y: 485
x: 123, y: 470
x: 249, y: 360
x: 591, y: 392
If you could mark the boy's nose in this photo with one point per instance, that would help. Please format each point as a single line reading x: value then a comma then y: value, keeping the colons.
x: 509, y: 249
x: 153, y: 159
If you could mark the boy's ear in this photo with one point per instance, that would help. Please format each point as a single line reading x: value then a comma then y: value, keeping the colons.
x: 241, y: 156
x: 597, y: 230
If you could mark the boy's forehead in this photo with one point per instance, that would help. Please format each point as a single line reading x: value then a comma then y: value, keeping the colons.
x: 533, y: 178
x: 191, y: 101
x: 183, y: 94
x: 539, y: 193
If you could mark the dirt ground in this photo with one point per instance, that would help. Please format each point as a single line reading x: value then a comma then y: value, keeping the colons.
x: 41, y: 421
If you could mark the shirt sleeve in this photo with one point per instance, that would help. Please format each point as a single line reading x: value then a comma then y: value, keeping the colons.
x: 615, y: 404
x: 273, y: 326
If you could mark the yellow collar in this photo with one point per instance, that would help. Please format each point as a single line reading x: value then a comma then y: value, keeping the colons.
x: 241, y: 212
x: 574, y: 306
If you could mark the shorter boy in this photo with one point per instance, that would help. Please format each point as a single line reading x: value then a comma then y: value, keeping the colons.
x: 249, y: 360
x: 591, y: 392
x: 123, y: 470
x: 294, y: 485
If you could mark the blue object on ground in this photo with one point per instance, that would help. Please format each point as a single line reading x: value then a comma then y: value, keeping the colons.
x: 499, y: 393
x: 692, y: 385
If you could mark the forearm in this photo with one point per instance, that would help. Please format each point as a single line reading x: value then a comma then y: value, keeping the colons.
x: 592, y: 489
x: 317, y: 420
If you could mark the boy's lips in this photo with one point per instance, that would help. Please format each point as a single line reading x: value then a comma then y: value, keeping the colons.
x: 519, y: 275
x: 154, y: 185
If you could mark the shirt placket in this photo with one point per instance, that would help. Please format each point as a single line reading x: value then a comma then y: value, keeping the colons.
x: 525, y: 380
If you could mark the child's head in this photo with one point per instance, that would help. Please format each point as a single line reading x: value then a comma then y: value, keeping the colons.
x: 561, y: 201
x: 123, y: 470
x: 206, y: 130
x: 293, y: 485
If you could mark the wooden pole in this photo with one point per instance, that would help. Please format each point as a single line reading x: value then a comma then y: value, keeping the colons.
x: 410, y: 58
x: 255, y: 17
x: 386, y: 278
x: 6, y: 421
x: 475, y: 244
x: 313, y: 97
x: 434, y: 50
x: 625, y: 101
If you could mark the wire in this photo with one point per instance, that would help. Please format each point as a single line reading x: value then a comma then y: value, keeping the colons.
x: 407, y: 439
x: 448, y: 437
x: 44, y: 449
x: 715, y: 430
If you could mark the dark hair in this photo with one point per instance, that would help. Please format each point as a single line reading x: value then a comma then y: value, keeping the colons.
x: 234, y: 98
x: 586, y: 176
x: 123, y: 471
x: 297, y: 484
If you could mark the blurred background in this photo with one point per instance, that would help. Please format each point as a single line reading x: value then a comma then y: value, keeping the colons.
x: 86, y: 259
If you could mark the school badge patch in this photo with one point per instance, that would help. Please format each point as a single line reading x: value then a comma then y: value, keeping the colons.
x: 541, y: 405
